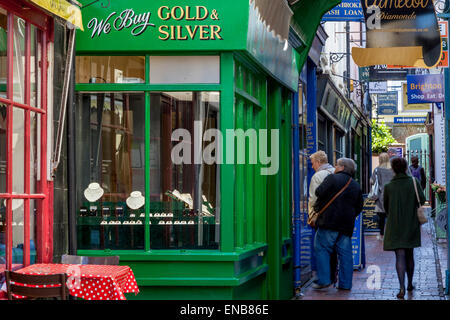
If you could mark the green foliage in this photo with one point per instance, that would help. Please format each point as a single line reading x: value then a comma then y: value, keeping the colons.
x: 381, y: 137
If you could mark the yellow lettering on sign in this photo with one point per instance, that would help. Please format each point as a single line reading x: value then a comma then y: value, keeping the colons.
x: 162, y: 29
x: 160, y: 13
x: 186, y: 32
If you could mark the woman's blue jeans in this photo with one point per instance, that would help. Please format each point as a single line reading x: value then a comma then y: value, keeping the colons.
x: 324, y: 243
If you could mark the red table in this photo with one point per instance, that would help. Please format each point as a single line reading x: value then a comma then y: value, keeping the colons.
x: 91, y: 282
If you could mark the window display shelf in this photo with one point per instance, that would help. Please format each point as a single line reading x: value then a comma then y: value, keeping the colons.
x: 129, y: 221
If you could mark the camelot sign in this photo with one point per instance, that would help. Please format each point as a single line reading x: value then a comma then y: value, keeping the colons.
x: 400, y: 32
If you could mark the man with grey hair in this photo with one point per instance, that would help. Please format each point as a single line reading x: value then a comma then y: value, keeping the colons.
x: 319, y: 162
x: 322, y: 168
x: 336, y: 223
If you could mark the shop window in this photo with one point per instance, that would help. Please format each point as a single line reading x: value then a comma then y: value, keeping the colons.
x: 322, y: 135
x: 110, y: 167
x: 183, y: 194
x: 338, y: 144
x: 184, y: 69
x: 110, y: 69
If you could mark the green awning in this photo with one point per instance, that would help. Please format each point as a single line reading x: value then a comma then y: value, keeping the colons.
x: 306, y: 19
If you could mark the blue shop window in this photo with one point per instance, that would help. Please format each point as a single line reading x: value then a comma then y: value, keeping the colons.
x: 17, y: 253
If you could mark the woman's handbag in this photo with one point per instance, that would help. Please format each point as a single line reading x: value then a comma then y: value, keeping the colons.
x: 374, y: 193
x: 315, y: 215
x: 421, y: 209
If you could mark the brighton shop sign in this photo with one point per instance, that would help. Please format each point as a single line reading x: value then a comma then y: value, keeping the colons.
x: 426, y: 88
x: 156, y: 25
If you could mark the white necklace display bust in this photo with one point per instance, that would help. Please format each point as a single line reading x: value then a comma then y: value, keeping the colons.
x: 135, y: 200
x: 93, y: 192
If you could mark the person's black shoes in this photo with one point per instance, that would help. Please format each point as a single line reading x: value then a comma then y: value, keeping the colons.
x: 344, y: 289
x: 411, y: 287
x: 401, y: 294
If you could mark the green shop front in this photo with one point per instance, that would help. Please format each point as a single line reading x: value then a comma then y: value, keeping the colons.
x: 174, y: 103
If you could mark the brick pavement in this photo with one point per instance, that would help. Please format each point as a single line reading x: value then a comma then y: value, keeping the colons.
x: 426, y: 279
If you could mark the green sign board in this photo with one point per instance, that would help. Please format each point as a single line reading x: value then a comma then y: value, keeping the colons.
x: 136, y: 25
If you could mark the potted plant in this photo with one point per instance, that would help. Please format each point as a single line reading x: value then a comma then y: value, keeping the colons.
x: 440, y: 191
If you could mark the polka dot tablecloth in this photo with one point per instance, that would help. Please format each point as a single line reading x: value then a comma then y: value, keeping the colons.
x: 91, y: 282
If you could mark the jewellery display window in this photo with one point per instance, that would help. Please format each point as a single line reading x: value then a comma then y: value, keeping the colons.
x: 183, y: 197
x: 110, y: 154
x: 180, y: 208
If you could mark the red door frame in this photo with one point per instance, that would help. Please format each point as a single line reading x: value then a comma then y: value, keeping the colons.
x: 44, y: 219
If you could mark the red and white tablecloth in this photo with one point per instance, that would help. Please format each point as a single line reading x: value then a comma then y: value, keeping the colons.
x: 91, y: 282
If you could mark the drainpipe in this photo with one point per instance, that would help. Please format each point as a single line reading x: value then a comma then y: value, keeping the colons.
x: 297, y: 221
x: 71, y: 184
x: 62, y: 113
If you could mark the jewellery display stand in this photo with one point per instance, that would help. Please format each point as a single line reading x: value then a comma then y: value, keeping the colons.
x: 120, y: 225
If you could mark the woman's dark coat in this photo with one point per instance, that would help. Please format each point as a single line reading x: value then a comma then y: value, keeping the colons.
x: 400, y: 203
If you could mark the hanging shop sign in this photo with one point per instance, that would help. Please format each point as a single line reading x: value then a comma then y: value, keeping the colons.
x: 62, y: 9
x: 384, y: 73
x: 348, y: 10
x: 439, y: 145
x: 364, y: 73
x: 388, y: 103
x: 443, y: 28
x: 417, y: 107
x: 335, y: 106
x: 410, y: 120
x: 401, y: 33
x: 425, y: 88
x: 378, y: 87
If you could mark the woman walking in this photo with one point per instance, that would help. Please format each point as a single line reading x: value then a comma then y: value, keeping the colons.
x: 384, y: 174
x: 402, y: 233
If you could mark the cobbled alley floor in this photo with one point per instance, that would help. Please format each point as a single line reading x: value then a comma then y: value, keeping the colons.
x: 429, y: 273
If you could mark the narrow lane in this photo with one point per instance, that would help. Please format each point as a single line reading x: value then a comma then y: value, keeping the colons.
x: 378, y: 281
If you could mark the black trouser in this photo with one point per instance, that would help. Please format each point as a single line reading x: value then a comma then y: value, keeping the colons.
x: 381, y: 221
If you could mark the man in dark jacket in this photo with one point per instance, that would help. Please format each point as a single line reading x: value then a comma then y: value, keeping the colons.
x: 336, y: 223
x: 418, y: 172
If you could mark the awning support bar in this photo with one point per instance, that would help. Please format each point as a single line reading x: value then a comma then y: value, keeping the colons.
x: 65, y: 92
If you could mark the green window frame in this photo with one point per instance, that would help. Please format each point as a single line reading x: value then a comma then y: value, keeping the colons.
x: 147, y: 88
